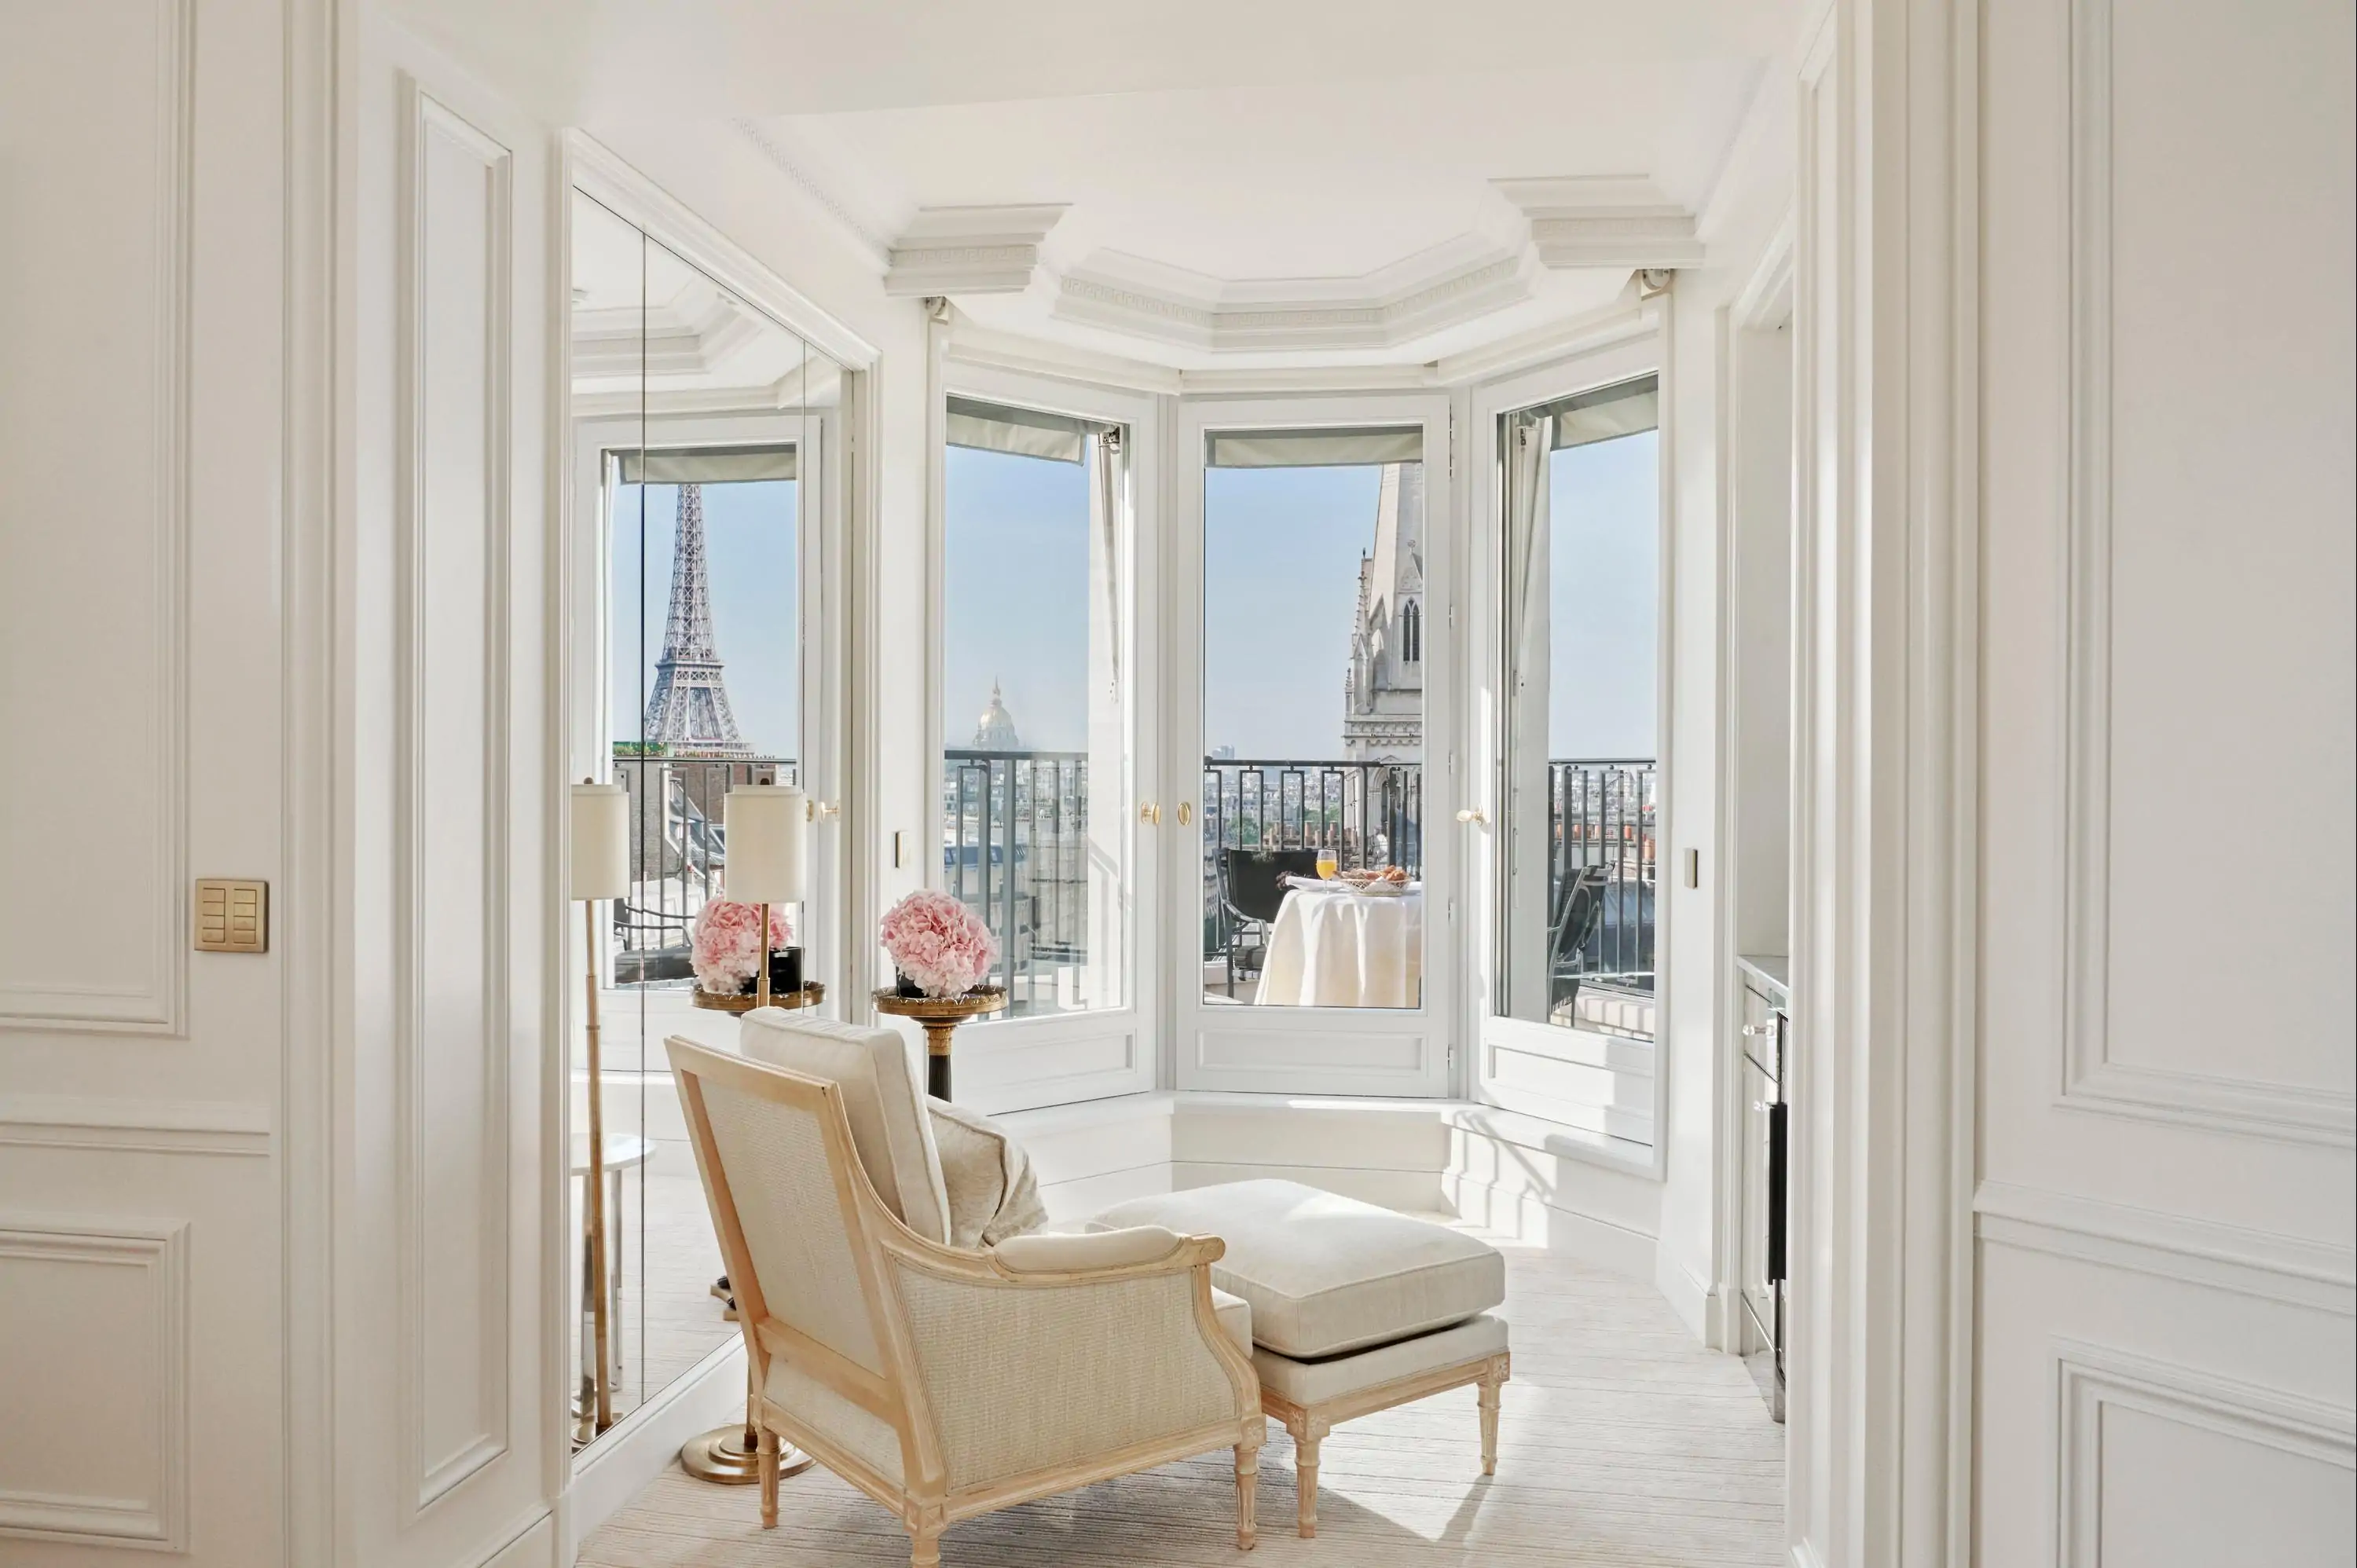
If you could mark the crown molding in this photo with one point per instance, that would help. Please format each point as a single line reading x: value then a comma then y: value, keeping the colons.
x: 863, y: 235
x: 1461, y: 281
x: 1604, y: 220
x: 970, y: 250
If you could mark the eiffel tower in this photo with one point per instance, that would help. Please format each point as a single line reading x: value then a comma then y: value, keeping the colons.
x: 689, y: 711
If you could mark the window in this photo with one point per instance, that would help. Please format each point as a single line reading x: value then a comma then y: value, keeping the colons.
x: 1581, y: 791
x: 1035, y: 727
x: 1313, y: 712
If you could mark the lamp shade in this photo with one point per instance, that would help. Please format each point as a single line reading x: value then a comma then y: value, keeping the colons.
x: 600, y: 864
x: 768, y: 825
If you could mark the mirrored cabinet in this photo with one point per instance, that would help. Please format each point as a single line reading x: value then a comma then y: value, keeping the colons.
x: 704, y: 506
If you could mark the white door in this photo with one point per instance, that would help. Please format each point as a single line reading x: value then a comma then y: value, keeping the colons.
x: 1571, y: 619
x: 1307, y: 564
x: 1047, y: 704
x: 2165, y: 310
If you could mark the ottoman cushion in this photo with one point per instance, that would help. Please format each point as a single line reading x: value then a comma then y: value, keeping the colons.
x: 1327, y: 1274
x: 1308, y: 1383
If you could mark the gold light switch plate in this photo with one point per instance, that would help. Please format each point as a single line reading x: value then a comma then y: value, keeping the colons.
x: 233, y: 915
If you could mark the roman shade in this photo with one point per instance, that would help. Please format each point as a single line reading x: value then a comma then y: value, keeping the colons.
x: 1022, y: 431
x: 1333, y: 448
x: 707, y: 465
x: 1623, y: 408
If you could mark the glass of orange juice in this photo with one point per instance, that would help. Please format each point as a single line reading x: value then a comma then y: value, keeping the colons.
x: 1327, y: 863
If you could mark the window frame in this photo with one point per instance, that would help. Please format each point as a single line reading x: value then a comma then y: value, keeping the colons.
x: 1020, y: 1064
x: 1340, y: 1046
x: 1640, y: 351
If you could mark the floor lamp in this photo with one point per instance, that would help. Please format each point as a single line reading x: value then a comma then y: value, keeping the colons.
x: 766, y: 830
x: 600, y: 868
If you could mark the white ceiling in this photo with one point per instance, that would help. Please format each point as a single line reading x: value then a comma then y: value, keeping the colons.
x: 1240, y: 184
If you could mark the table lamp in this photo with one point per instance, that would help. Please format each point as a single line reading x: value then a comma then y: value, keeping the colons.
x: 767, y: 832
x: 599, y: 866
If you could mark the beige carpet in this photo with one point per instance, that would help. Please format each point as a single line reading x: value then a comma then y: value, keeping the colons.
x: 1622, y: 1442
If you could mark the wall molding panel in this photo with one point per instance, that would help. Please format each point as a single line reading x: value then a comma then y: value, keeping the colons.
x: 2193, y: 1251
x: 2092, y: 1077
x: 2090, y: 1380
x: 150, y: 995
x: 135, y: 1126
x: 454, y: 662
x: 149, y: 1509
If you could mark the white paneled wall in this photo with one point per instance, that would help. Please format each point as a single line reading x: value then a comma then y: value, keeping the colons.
x: 2165, y: 1223
x: 452, y: 1443
x: 143, y: 208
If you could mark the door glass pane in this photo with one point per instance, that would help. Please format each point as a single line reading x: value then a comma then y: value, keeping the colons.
x: 1581, y: 797
x: 1313, y: 720
x: 1035, y: 757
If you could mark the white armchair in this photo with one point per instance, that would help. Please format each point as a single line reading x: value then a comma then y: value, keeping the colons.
x: 941, y: 1381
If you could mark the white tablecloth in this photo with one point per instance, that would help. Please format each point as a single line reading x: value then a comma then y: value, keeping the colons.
x: 1344, y: 950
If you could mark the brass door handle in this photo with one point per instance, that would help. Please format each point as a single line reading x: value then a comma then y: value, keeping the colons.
x: 1186, y: 813
x: 823, y: 811
x: 1150, y: 812
x: 1473, y: 814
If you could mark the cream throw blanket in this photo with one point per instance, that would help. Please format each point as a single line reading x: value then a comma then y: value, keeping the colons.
x: 992, y: 1195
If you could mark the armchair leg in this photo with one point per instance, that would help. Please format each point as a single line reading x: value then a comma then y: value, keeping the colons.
x: 765, y: 1457
x: 925, y: 1539
x: 1247, y: 1492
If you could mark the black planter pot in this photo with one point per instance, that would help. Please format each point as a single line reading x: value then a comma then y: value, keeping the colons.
x: 904, y: 986
x: 786, y: 969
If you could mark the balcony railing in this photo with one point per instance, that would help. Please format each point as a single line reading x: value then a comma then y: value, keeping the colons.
x: 1015, y: 847
x: 1369, y: 813
x: 678, y: 851
x: 1601, y: 819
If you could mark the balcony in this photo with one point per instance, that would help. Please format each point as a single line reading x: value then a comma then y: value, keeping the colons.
x: 679, y: 848
x: 1015, y: 848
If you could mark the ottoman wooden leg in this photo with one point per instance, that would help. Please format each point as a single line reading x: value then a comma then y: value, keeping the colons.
x: 1490, y: 1382
x: 1305, y: 1467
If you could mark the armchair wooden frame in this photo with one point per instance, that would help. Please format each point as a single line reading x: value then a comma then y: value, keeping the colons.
x: 895, y: 1394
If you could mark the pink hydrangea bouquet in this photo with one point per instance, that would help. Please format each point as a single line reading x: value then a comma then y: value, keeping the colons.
x: 938, y: 943
x: 725, y: 946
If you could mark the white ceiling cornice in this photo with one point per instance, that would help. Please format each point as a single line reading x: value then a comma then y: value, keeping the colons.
x: 970, y: 250
x: 1467, y: 278
x: 1604, y: 220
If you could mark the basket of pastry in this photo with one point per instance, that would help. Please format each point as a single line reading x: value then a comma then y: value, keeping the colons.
x: 1379, y: 881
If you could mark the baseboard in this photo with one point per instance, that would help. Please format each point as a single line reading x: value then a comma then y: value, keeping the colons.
x: 1079, y: 1198
x: 1523, y: 1218
x: 1410, y: 1191
x: 1689, y: 1297
x: 636, y: 1450
x: 535, y: 1547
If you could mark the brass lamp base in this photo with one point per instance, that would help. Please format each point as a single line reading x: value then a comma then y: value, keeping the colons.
x: 723, y: 1456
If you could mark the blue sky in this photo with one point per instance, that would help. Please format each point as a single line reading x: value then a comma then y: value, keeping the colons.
x: 1281, y: 555
x: 1603, y: 508
x: 749, y: 549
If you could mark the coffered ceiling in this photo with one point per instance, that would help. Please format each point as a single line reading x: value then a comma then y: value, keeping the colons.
x: 1219, y: 184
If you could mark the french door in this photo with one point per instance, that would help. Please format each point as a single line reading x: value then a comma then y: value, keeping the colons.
x: 1309, y: 810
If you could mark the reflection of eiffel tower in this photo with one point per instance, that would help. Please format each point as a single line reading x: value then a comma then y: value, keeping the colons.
x: 689, y: 712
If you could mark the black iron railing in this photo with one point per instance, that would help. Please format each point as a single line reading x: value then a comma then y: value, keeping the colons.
x: 1369, y: 813
x: 679, y: 850
x: 1015, y: 847
x: 1602, y: 818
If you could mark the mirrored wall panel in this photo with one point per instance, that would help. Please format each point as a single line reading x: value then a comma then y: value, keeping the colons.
x: 703, y: 499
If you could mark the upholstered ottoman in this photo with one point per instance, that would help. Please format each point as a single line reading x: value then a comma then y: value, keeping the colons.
x: 1354, y: 1308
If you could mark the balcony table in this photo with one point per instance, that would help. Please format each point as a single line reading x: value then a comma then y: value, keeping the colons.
x: 1339, y: 948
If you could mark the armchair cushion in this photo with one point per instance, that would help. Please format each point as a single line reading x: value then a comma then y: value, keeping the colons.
x: 889, y: 1126
x: 992, y: 1195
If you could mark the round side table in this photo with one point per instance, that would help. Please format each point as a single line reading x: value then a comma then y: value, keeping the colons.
x: 941, y: 1016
